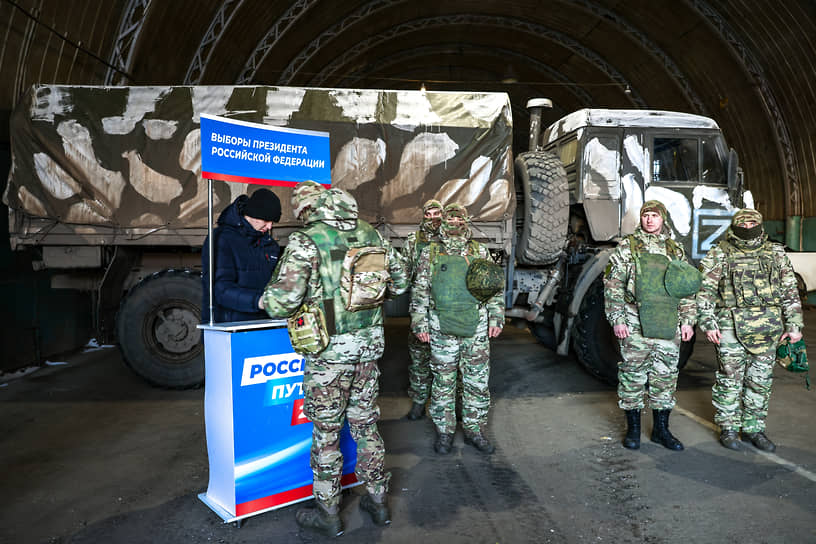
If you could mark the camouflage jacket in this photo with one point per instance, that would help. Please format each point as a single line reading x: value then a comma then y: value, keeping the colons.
x: 619, y: 279
x: 296, y: 279
x: 421, y: 301
x: 414, y: 244
x: 713, y: 309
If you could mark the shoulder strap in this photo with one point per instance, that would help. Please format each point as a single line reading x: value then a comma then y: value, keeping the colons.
x: 673, y: 249
x: 473, y: 247
x: 433, y: 252
x: 634, y: 245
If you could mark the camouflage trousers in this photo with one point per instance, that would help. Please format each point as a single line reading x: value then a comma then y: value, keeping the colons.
x: 419, y: 371
x: 651, y: 361
x: 335, y: 391
x: 470, y: 358
x: 742, y: 385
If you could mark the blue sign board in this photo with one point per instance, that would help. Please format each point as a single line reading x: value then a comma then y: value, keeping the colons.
x: 245, y: 152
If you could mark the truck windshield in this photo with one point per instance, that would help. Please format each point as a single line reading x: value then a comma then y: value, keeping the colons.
x: 676, y: 159
x: 689, y: 159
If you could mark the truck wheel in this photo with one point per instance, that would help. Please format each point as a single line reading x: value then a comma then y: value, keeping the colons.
x: 543, y: 182
x: 157, y: 329
x: 544, y: 334
x: 594, y: 342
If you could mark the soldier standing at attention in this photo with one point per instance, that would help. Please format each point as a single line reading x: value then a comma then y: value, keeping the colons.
x: 648, y: 322
x: 419, y: 371
x: 445, y: 314
x: 747, y: 305
x: 341, y: 381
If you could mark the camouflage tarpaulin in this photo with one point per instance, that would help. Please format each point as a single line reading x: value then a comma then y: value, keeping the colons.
x: 129, y: 157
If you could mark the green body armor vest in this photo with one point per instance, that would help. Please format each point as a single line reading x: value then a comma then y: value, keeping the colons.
x: 457, y: 309
x: 656, y: 307
x: 332, y: 245
x: 750, y: 286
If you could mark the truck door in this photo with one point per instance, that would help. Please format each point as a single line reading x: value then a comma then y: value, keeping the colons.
x: 600, y: 175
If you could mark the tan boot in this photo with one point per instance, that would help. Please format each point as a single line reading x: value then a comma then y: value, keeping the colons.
x: 378, y: 509
x: 321, y: 518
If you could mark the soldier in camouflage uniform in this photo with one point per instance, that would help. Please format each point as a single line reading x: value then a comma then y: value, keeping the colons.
x: 419, y: 371
x: 646, y: 359
x: 457, y: 326
x: 341, y: 382
x: 747, y: 305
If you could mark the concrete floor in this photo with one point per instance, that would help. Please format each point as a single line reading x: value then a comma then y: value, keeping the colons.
x: 91, y: 454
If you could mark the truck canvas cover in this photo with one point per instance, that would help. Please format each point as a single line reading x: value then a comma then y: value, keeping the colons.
x: 126, y: 160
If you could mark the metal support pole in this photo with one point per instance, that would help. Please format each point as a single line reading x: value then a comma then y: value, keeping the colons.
x: 210, y: 245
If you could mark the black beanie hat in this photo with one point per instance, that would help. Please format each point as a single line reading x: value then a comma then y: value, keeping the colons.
x: 263, y: 204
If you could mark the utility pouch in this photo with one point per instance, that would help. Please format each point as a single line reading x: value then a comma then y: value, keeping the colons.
x: 307, y: 330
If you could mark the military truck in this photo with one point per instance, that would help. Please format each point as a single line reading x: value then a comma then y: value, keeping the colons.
x: 105, y: 190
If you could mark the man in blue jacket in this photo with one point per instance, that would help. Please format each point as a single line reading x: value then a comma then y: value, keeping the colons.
x: 245, y: 257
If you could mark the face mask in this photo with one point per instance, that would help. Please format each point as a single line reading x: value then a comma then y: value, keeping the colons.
x: 455, y: 229
x: 431, y: 225
x: 747, y: 234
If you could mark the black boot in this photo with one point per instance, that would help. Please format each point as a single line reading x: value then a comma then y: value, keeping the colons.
x: 417, y: 411
x: 443, y: 443
x: 480, y: 442
x: 760, y: 441
x: 320, y: 518
x: 730, y: 439
x: 632, y: 439
x: 660, y: 431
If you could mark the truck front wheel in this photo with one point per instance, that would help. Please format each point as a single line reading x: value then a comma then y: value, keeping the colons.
x: 594, y: 342
x: 157, y: 329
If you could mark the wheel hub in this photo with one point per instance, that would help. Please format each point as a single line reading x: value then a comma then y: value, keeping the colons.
x: 176, y: 330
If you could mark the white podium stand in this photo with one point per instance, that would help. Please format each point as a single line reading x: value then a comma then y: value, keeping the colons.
x: 258, y: 440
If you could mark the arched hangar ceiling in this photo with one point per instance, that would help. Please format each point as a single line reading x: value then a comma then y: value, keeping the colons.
x: 749, y: 64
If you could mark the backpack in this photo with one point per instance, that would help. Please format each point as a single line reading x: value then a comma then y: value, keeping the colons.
x: 364, y: 278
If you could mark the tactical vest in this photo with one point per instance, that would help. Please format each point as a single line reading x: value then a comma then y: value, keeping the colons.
x: 332, y: 245
x: 657, y: 309
x: 751, y: 278
x: 457, y: 309
x: 751, y: 287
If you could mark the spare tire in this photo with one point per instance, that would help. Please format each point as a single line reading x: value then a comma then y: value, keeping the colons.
x: 157, y: 329
x: 543, y: 183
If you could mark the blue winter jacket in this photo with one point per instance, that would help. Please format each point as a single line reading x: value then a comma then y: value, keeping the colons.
x: 244, y: 261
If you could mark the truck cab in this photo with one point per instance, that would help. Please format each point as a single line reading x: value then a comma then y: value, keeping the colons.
x: 582, y: 183
x: 615, y: 160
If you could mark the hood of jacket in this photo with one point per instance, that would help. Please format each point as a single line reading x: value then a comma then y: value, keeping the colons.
x: 335, y: 208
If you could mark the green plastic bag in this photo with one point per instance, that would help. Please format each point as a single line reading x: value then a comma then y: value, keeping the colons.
x: 793, y: 358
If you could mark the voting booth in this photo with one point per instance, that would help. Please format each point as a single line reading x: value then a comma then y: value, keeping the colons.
x: 258, y: 440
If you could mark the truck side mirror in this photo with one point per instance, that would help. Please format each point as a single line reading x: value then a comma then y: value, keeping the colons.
x: 734, y: 178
